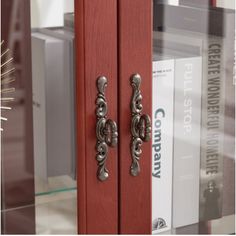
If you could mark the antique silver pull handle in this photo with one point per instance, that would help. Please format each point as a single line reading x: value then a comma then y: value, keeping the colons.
x: 140, y: 125
x: 106, y: 130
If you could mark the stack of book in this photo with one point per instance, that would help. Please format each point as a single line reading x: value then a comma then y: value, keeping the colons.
x: 193, y: 115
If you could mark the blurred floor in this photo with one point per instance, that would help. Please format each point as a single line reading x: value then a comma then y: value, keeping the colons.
x: 56, y: 213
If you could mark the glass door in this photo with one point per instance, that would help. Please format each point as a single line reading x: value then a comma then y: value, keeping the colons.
x: 38, y: 146
x: 54, y: 115
x: 193, y: 117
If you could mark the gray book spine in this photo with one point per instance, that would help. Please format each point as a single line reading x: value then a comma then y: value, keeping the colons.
x: 212, y: 133
x: 59, y: 139
x: 52, y: 97
x: 69, y: 74
x: 187, y: 120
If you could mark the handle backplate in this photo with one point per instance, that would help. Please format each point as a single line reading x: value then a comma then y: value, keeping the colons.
x: 106, y: 130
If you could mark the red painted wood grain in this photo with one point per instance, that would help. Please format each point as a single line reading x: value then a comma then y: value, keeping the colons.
x: 96, y: 55
x: 135, y: 56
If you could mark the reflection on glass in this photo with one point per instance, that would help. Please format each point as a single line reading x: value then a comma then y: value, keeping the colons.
x: 193, y: 117
x: 38, y: 157
x: 17, y: 175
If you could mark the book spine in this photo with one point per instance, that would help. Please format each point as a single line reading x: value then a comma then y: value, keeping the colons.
x: 69, y: 88
x: 212, y: 133
x: 228, y: 207
x: 187, y: 127
x: 59, y: 157
x: 162, y: 147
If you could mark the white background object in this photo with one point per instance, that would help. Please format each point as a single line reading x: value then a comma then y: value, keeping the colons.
x: 173, y: 2
x: 46, y: 13
x: 226, y: 4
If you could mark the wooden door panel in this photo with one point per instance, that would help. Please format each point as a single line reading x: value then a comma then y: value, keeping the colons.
x: 135, y: 50
x: 96, y: 55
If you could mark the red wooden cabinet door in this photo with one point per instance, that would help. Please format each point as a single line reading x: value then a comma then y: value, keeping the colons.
x: 96, y: 55
x: 112, y: 34
x: 135, y: 56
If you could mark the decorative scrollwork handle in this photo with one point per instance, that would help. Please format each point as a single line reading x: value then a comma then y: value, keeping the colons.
x: 140, y: 125
x: 106, y: 130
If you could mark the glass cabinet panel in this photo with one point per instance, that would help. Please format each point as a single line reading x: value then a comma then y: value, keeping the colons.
x: 38, y: 138
x: 193, y: 149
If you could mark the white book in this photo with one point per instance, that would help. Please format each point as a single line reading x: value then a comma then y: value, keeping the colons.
x: 186, y: 149
x: 162, y: 146
x: 187, y: 127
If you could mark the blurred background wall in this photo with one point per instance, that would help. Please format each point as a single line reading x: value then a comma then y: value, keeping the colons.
x: 42, y: 14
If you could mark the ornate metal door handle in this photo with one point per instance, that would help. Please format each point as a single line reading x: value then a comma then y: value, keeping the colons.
x: 106, y: 130
x: 140, y: 125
